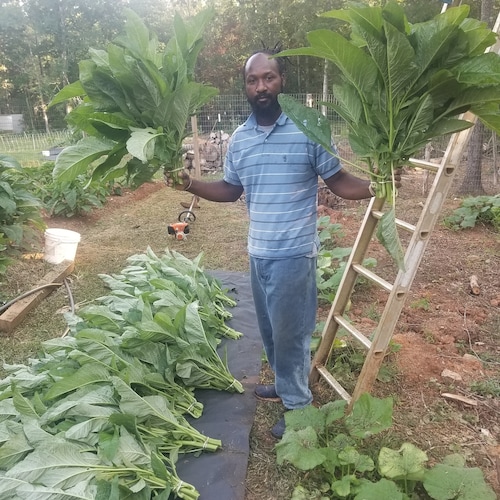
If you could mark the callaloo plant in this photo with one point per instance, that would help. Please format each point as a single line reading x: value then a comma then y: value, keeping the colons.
x: 400, y: 85
x: 137, y: 100
x: 20, y: 211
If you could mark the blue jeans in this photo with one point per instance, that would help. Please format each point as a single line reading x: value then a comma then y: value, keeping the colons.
x: 285, y: 297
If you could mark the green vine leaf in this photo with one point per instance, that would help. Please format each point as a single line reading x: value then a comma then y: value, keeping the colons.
x: 369, y: 416
x: 406, y: 463
x: 300, y: 448
x: 309, y: 416
x: 376, y: 491
x: 444, y: 482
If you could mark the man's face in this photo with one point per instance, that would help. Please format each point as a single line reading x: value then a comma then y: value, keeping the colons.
x: 263, y: 83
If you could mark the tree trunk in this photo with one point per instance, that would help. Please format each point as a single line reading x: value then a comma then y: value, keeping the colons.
x: 471, y: 184
x: 325, y: 86
x: 472, y: 181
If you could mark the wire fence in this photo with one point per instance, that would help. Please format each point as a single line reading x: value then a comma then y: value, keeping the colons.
x: 225, y: 112
x: 30, y: 149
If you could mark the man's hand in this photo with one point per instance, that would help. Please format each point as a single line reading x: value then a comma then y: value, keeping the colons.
x: 180, y: 180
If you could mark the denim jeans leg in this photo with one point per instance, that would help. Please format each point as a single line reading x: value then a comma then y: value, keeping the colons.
x: 285, y: 298
x: 258, y: 279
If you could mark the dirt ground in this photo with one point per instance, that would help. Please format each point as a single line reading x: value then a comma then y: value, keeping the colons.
x: 448, y: 337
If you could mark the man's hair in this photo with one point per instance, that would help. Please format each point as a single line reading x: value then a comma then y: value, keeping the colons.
x: 282, y: 61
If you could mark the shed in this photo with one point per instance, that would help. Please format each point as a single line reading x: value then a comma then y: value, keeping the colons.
x: 12, y: 123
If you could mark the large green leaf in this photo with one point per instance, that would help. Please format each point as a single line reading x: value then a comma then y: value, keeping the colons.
x: 407, y: 463
x: 56, y: 464
x: 444, y: 482
x: 134, y: 83
x: 70, y: 91
x: 300, y: 448
x: 387, y: 234
x: 141, y: 143
x: 14, y: 450
x: 369, y: 416
x: 137, y: 38
x: 308, y: 120
x: 86, y: 375
x: 381, y: 489
x: 75, y: 160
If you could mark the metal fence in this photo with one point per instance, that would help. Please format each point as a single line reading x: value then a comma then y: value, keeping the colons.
x: 225, y: 112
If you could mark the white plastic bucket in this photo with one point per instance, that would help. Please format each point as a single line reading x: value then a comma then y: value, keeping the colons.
x: 60, y: 244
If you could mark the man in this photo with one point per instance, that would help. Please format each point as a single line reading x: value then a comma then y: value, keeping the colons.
x: 278, y: 167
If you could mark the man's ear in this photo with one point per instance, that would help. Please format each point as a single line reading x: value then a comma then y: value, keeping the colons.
x: 283, y: 79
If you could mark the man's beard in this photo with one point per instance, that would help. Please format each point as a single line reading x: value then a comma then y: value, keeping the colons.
x: 268, y: 109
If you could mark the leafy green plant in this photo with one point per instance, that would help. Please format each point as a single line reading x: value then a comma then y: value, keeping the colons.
x: 20, y: 211
x: 400, y: 86
x: 473, y: 210
x: 327, y: 441
x: 136, y: 103
x: 331, y: 259
x: 69, y: 198
x: 101, y: 413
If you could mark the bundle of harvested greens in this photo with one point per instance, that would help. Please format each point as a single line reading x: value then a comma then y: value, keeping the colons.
x: 137, y: 100
x: 399, y: 86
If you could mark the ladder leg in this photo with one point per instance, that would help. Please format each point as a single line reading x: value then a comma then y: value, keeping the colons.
x: 345, y: 289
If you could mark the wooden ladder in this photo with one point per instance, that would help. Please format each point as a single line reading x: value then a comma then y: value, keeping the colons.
x: 398, y: 290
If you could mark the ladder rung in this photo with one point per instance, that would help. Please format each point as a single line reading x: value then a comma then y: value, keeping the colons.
x: 372, y: 277
x: 428, y: 165
x: 334, y: 383
x: 399, y: 223
x: 353, y: 331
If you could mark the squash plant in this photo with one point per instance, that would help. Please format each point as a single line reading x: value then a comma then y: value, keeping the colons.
x: 137, y: 100
x: 340, y: 461
x: 400, y: 86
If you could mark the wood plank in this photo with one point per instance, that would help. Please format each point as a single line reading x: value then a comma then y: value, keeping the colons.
x: 15, y: 314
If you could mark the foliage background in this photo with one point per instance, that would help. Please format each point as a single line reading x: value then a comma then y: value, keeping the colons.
x: 42, y: 41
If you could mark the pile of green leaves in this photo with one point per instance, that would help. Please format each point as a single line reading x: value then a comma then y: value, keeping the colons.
x: 399, y: 86
x: 329, y: 445
x: 137, y: 99
x: 473, y: 210
x: 101, y: 413
x: 20, y: 215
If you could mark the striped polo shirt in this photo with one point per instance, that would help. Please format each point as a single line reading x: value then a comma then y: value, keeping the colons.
x: 278, y: 170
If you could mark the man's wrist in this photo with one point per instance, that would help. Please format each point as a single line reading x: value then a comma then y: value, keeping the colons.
x: 372, y: 188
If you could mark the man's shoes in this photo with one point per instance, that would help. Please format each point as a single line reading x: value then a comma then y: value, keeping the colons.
x: 278, y: 429
x: 267, y: 393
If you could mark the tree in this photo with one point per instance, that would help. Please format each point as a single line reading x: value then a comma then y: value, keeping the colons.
x: 472, y: 182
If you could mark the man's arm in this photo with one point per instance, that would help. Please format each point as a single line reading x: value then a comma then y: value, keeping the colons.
x: 215, y: 191
x: 348, y: 186
x: 212, y: 191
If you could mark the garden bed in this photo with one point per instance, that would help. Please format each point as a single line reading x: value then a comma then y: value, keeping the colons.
x: 443, y: 325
